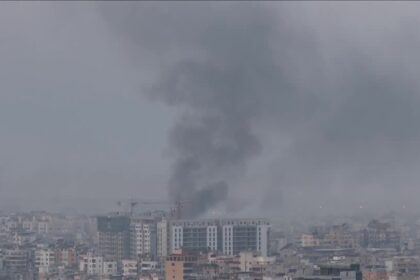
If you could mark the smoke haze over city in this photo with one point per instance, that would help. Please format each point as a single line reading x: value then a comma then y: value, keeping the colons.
x: 249, y: 108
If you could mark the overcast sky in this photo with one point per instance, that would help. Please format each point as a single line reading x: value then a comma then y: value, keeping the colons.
x: 249, y: 108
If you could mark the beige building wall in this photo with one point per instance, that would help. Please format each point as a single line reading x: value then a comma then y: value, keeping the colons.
x: 174, y: 270
x: 374, y: 275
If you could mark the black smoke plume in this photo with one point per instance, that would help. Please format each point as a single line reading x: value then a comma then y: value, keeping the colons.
x: 346, y: 104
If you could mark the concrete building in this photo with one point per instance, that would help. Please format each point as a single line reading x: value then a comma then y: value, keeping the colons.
x: 109, y: 268
x: 94, y: 265
x: 16, y: 260
x: 375, y: 275
x: 335, y: 236
x: 44, y: 260
x: 66, y: 256
x: 248, y: 261
x: 147, y: 266
x: 91, y: 264
x: 336, y: 272
x: 404, y: 266
x: 180, y: 266
x: 309, y: 240
x: 380, y: 235
x: 28, y: 225
x: 142, y: 238
x: 229, y: 236
x: 162, y: 238
x: 43, y: 227
x: 114, y: 237
x: 129, y: 268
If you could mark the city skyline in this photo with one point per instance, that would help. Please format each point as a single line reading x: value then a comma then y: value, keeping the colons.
x: 209, y: 140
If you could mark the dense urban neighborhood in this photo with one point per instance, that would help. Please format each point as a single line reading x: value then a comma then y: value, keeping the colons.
x: 209, y: 140
x: 156, y: 245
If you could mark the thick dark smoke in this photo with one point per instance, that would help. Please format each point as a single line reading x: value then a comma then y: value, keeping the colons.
x: 241, y: 72
x: 303, y: 105
x: 219, y: 92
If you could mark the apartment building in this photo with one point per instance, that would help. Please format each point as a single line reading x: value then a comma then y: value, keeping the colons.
x: 45, y: 258
x: 180, y: 266
x: 114, y: 237
x: 142, y: 238
x: 229, y: 236
x: 162, y: 228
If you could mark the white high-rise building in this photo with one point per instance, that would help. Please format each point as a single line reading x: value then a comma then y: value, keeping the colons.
x: 229, y: 236
x: 212, y: 238
x: 177, y: 237
x: 142, y: 238
x: 162, y: 238
x: 262, y: 239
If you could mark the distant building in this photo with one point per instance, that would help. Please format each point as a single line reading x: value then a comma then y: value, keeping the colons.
x: 162, y: 238
x: 375, y: 275
x: 17, y: 262
x: 404, y: 266
x: 109, y: 268
x: 335, y: 236
x: 43, y: 227
x: 142, y: 238
x: 309, y: 240
x: 229, y: 236
x: 249, y: 262
x: 129, y: 268
x: 44, y: 260
x: 91, y: 264
x: 180, y: 266
x: 114, y: 237
x: 66, y: 256
x: 147, y: 266
x: 338, y: 236
x: 336, y: 272
x: 380, y: 235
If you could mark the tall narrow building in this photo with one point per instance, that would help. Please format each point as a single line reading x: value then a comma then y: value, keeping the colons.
x: 143, y: 238
x: 162, y: 238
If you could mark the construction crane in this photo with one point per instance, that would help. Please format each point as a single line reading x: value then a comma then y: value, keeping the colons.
x: 133, y: 204
x: 175, y: 207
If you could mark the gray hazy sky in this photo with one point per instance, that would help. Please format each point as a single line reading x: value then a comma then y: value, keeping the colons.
x: 296, y: 106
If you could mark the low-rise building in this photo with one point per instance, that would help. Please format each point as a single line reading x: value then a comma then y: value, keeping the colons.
x: 129, y: 268
x: 91, y: 264
x: 180, y: 265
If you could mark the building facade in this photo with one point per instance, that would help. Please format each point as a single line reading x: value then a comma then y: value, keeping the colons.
x: 180, y: 266
x: 44, y: 260
x: 229, y: 236
x: 114, y: 237
x: 91, y: 264
x: 142, y: 238
x: 162, y: 238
